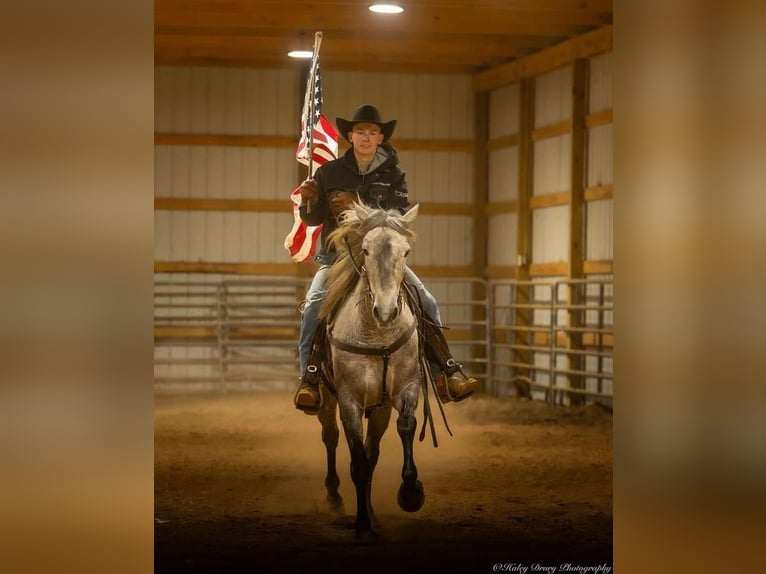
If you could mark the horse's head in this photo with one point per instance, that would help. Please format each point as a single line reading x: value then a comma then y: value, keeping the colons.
x: 385, y: 247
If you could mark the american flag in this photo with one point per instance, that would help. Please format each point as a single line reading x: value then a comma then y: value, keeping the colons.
x: 302, y: 240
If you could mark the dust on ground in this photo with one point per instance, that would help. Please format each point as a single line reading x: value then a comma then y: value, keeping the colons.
x: 239, y: 487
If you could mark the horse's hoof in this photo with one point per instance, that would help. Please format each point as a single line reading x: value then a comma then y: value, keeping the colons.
x: 335, y: 504
x: 366, y: 536
x: 411, y: 498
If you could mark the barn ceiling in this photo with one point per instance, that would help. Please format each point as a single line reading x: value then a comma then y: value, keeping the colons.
x: 439, y: 36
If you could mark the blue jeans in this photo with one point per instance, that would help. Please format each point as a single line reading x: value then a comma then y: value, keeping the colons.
x: 316, y: 293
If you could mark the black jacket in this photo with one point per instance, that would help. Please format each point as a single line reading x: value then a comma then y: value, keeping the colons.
x: 385, y: 187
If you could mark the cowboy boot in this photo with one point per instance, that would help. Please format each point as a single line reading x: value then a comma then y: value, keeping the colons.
x: 451, y: 384
x: 307, y: 397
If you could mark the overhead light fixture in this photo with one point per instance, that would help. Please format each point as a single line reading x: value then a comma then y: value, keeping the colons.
x: 302, y: 54
x: 386, y: 8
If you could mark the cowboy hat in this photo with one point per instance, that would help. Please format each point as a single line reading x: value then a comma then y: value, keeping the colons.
x: 369, y: 114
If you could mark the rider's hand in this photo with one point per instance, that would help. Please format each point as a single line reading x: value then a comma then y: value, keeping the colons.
x: 340, y: 201
x: 309, y: 191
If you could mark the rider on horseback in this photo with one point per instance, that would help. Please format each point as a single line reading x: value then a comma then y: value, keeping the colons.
x: 368, y: 172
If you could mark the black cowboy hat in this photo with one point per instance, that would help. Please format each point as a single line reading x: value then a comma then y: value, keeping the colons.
x: 366, y: 113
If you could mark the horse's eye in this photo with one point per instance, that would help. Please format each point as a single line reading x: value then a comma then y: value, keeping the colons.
x: 407, y: 253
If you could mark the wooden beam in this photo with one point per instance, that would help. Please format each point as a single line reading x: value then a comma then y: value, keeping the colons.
x: 444, y: 270
x: 498, y: 207
x: 428, y: 208
x: 480, y: 234
x: 292, y: 268
x: 195, y: 204
x: 503, y: 142
x: 526, y: 160
x: 451, y: 145
x: 549, y: 200
x: 577, y: 170
x: 584, y: 46
x: 552, y: 131
x: 278, y: 205
x: 291, y: 142
x: 580, y: 83
x: 601, y: 118
x: 226, y: 268
x: 604, y: 267
x: 226, y: 140
x: 598, y: 192
x: 501, y: 272
x: 557, y: 269
x: 292, y: 17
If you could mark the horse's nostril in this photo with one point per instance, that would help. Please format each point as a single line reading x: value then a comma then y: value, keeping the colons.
x: 375, y: 312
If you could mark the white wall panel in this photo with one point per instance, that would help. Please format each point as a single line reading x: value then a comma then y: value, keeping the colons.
x: 163, y: 170
x: 425, y: 105
x: 550, y: 241
x: 444, y: 177
x: 504, y: 174
x: 268, y: 102
x: 226, y: 101
x: 162, y: 235
x: 599, y: 226
x: 552, y: 165
x: 502, y: 239
x: 601, y: 83
x: 600, y: 156
x: 553, y: 97
x: 504, y: 111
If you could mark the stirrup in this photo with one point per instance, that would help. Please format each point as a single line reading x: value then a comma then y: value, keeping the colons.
x: 308, y: 398
x: 449, y: 378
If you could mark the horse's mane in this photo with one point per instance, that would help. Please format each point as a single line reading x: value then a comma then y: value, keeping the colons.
x: 343, y: 276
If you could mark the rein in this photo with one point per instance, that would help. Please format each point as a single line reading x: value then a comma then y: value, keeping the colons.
x: 384, y: 352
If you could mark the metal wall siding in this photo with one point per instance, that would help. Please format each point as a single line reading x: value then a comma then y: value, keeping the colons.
x: 553, y: 97
x: 268, y: 102
x: 600, y: 223
x: 504, y: 174
x: 502, y: 239
x: 601, y: 83
x: 600, y: 155
x: 504, y: 111
x: 163, y: 170
x: 552, y: 164
x: 550, y: 242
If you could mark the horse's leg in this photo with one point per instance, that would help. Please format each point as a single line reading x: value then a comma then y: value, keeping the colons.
x: 351, y: 417
x: 375, y: 429
x: 410, y: 497
x: 330, y: 439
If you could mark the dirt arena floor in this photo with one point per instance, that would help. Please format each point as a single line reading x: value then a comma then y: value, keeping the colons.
x: 239, y: 488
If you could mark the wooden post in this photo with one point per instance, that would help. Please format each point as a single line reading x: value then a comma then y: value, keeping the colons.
x: 480, y: 221
x: 580, y: 81
x: 524, y: 317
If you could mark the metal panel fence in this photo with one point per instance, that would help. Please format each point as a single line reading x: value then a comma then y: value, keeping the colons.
x: 552, y: 340
x: 548, y: 340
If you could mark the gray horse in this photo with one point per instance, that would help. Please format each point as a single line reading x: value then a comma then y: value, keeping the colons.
x: 375, y: 354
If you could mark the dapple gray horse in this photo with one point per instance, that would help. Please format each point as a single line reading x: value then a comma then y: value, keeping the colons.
x: 375, y: 354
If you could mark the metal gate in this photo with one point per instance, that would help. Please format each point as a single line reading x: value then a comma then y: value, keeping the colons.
x: 550, y: 340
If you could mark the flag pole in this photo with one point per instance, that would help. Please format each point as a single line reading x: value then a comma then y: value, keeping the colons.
x: 312, y: 106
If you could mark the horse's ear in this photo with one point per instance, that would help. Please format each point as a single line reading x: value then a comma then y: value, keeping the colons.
x: 362, y: 211
x: 411, y: 214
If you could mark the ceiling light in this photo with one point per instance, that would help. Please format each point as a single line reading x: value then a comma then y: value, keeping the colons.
x: 386, y: 8
x: 305, y: 54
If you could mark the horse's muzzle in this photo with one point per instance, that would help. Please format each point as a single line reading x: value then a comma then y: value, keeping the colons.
x: 385, y: 316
